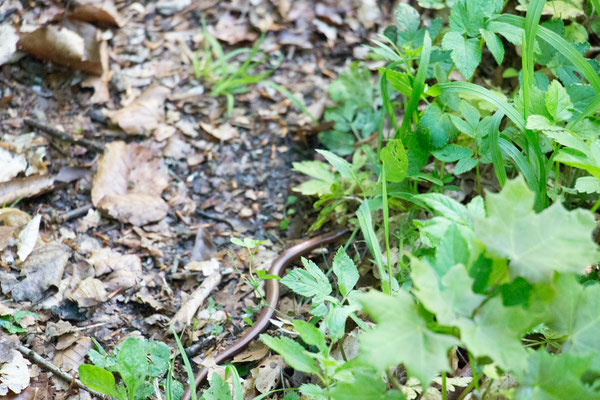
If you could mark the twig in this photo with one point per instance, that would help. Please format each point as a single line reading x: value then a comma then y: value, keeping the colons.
x: 214, y: 218
x: 47, y: 365
x: 74, y: 213
x: 88, y: 144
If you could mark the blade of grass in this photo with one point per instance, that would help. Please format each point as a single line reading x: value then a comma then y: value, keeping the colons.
x: 290, y: 96
x: 482, y: 93
x: 417, y: 88
x: 387, y: 104
x: 561, y: 45
x: 520, y: 162
x: 386, y: 221
x: 494, y: 136
x: 188, y: 366
x: 366, y: 225
x: 237, y: 385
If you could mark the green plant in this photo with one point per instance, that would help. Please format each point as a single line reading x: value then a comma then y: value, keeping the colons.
x: 11, y: 323
x: 138, y: 364
x: 226, y: 77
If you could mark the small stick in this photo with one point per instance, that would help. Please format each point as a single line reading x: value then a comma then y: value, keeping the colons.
x: 75, y: 213
x: 88, y: 144
x: 214, y: 218
x: 47, y: 365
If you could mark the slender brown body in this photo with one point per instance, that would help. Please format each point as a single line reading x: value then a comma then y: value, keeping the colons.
x: 272, y: 297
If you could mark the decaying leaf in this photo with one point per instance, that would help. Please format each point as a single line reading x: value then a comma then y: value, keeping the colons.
x: 232, y: 30
x: 89, y: 292
x: 42, y: 269
x: 12, y: 164
x: 128, y: 184
x: 74, y: 44
x: 8, y: 45
x: 124, y: 270
x: 28, y: 237
x: 255, y: 351
x: 14, y: 375
x: 144, y: 114
x: 100, y: 83
x: 223, y: 132
x: 71, y: 352
x: 100, y: 12
x: 268, y: 373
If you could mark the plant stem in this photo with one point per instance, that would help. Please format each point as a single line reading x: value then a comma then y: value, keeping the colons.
x: 444, y: 390
x: 595, y: 207
x: 467, y: 390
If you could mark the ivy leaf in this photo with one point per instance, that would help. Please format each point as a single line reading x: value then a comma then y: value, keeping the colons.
x: 365, y: 386
x: 575, y: 314
x: 400, y: 327
x: 555, y: 377
x: 345, y: 271
x: 494, y: 44
x: 558, y: 103
x: 536, y: 244
x: 496, y: 331
x: 466, y: 53
x: 293, y: 353
x: 449, y: 298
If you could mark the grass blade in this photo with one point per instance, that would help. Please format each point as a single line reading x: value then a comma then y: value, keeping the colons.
x: 290, y: 96
x: 532, y: 20
x: 188, y: 366
x: 520, y: 162
x: 494, y: 136
x: 561, y: 45
x: 366, y: 225
x: 418, y: 86
x: 482, y: 93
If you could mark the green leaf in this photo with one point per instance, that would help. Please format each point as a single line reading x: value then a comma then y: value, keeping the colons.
x: 393, y: 156
x: 218, y: 390
x: 439, y: 124
x: 98, y: 379
x: 310, y: 334
x: 575, y: 314
x: 446, y: 206
x: 400, y: 327
x: 536, y: 244
x: 587, y: 184
x: 335, y: 321
x: 20, y: 314
x: 469, y: 16
x: 449, y: 298
x: 365, y: 386
x: 453, y: 249
x: 496, y: 331
x: 452, y: 152
x: 466, y: 53
x: 345, y: 271
x: 366, y: 225
x: 558, y: 102
x: 465, y: 165
x: 293, y: 353
x: 555, y: 377
x: 494, y: 44
x: 132, y: 365
x: 341, y: 143
x: 343, y: 166
x: 407, y: 18
x: 308, y: 282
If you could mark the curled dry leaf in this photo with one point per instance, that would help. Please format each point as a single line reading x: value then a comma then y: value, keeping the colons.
x: 74, y: 44
x: 187, y: 311
x: 144, y: 114
x: 100, y: 83
x: 28, y: 237
x: 43, y: 268
x: 71, y: 352
x: 255, y: 351
x: 224, y: 132
x: 89, y: 292
x: 232, y: 30
x: 124, y: 270
x: 129, y: 183
x: 8, y: 45
x: 14, y: 375
x: 11, y: 220
x: 268, y: 373
x: 12, y: 164
x: 100, y: 12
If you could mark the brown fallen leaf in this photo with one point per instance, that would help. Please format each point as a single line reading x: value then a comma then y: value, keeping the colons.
x: 100, y: 12
x: 144, y: 114
x: 42, y: 269
x: 268, y: 373
x: 71, y: 352
x: 124, y: 270
x: 224, y: 132
x: 74, y: 44
x: 100, y: 83
x: 255, y: 351
x: 90, y: 292
x: 14, y: 375
x: 129, y: 183
x: 232, y: 30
